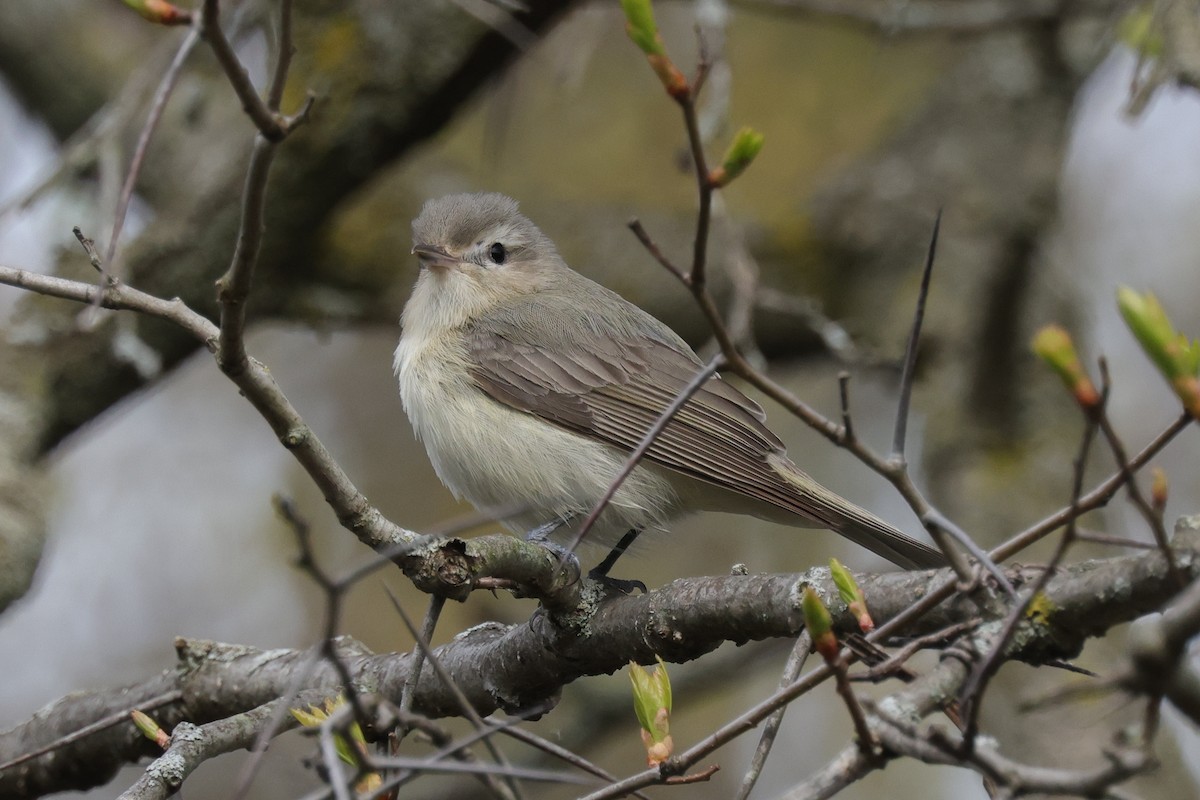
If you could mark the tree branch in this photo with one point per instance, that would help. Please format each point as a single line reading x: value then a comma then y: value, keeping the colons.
x: 512, y: 667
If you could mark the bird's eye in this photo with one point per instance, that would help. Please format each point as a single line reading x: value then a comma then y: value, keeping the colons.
x: 498, y: 253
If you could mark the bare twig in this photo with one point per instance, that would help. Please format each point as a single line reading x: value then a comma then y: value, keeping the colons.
x: 233, y: 288
x: 867, y: 744
x: 971, y: 696
x: 335, y: 593
x: 1152, y: 516
x: 844, y: 398
x: 157, y: 105
x: 1098, y: 497
x: 458, y: 749
x: 269, y: 124
x: 432, y: 614
x: 922, y: 16
x: 554, y: 750
x: 117, y: 718
x: 908, y: 376
x: 648, y: 440
x: 492, y: 771
x: 510, y: 789
x: 653, y: 249
x: 1114, y: 541
x: 192, y: 745
x: 283, y: 57
x: 766, y: 740
x: 335, y: 772
x: 935, y: 521
x: 353, y: 509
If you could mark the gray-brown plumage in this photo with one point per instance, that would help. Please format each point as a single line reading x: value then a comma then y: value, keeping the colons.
x: 529, y: 384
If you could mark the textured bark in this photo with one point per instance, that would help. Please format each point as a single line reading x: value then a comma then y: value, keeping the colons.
x: 518, y: 667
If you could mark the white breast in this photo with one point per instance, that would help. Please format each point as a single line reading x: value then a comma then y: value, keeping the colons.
x: 495, y: 456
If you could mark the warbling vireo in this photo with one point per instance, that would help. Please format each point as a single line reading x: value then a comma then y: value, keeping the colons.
x: 530, y: 384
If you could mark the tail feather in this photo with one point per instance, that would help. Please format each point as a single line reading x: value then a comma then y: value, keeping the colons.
x: 818, y: 505
x: 884, y: 540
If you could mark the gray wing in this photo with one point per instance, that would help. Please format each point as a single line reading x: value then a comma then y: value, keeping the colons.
x: 613, y: 388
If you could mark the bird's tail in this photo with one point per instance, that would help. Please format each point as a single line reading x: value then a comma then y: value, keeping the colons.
x: 822, y: 507
x: 864, y: 528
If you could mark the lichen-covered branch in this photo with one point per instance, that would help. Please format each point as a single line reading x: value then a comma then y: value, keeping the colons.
x: 513, y: 667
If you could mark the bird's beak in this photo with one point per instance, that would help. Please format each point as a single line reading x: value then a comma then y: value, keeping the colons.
x: 432, y: 256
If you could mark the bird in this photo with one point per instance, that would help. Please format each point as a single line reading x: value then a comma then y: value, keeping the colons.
x: 529, y: 385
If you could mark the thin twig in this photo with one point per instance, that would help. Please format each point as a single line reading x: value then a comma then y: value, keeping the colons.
x: 635, y: 225
x: 510, y: 788
x: 936, y: 522
x: 881, y: 665
x: 844, y: 398
x: 867, y: 744
x: 1114, y: 541
x: 353, y: 509
x: 557, y: 751
x: 697, y: 277
x: 648, y: 440
x: 269, y: 124
x: 449, y: 747
x: 335, y: 592
x: 971, y: 694
x: 432, y: 614
x: 939, y: 526
x: 1098, y: 497
x: 335, y: 773
x: 157, y: 106
x: 1153, y: 517
x: 283, y: 58
x: 233, y: 288
x: 908, y: 376
x: 766, y: 740
x: 104, y: 723
x: 493, y: 771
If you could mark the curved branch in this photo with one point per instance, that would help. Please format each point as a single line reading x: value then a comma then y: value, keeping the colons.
x: 512, y: 667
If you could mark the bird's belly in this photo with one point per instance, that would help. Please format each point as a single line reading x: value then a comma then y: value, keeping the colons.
x: 497, y: 457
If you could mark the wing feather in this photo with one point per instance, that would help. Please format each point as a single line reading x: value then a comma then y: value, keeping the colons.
x: 613, y: 390
x: 609, y: 377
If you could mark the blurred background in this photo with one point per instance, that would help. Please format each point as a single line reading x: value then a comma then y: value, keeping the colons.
x: 151, y: 479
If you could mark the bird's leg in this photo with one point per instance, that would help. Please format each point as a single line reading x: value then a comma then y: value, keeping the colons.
x: 542, y: 533
x: 600, y: 571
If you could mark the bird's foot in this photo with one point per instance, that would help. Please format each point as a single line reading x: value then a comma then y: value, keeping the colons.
x: 617, y: 584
